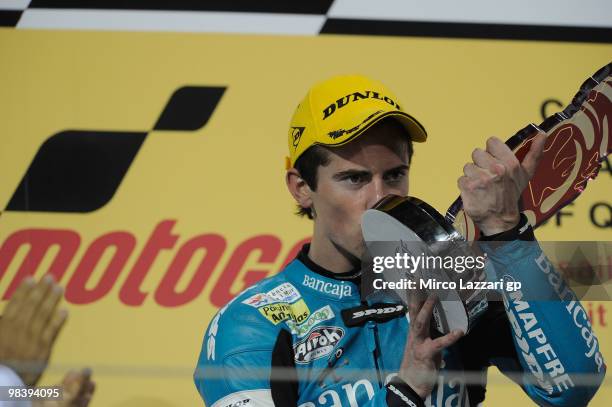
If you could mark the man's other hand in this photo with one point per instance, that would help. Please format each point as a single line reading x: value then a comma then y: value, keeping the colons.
x: 423, y: 355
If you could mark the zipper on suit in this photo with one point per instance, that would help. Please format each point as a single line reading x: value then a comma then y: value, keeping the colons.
x: 372, y: 348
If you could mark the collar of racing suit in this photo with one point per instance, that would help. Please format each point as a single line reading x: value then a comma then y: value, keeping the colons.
x: 353, y: 275
x: 366, y: 293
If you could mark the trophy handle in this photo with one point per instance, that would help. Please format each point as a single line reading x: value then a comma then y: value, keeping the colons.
x: 578, y: 139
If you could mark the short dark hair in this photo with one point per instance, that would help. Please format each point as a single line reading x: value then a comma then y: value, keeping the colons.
x: 308, y: 164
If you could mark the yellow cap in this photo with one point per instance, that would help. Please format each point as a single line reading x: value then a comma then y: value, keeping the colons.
x: 336, y: 111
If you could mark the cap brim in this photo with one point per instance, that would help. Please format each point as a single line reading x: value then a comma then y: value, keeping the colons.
x: 415, y: 130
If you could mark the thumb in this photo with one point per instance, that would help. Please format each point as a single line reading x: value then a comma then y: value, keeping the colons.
x: 531, y: 160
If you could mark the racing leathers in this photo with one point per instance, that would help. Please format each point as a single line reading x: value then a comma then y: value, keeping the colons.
x: 304, y: 338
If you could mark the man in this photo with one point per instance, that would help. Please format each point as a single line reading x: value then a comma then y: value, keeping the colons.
x: 286, y: 341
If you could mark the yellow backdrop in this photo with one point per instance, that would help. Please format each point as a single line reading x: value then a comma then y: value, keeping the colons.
x: 226, y: 179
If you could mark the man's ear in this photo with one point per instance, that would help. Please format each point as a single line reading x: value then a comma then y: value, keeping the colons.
x: 298, y: 188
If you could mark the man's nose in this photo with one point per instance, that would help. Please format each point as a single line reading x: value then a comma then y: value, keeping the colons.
x: 378, y: 190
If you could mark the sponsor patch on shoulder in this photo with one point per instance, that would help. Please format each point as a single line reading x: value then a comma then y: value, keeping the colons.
x: 285, y: 292
x: 256, y: 300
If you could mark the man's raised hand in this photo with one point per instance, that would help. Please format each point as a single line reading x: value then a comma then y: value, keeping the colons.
x: 493, y: 182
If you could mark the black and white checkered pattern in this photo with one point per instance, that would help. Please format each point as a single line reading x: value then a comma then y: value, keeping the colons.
x: 553, y: 20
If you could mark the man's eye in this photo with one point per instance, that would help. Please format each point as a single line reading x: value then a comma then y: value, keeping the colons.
x: 396, y: 176
x: 354, y: 179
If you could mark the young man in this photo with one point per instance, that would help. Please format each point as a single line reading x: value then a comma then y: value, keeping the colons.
x: 286, y: 341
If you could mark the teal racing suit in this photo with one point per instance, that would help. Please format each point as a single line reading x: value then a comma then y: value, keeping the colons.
x: 293, y: 340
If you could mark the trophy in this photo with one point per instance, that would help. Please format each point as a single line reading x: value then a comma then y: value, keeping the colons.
x: 407, y: 229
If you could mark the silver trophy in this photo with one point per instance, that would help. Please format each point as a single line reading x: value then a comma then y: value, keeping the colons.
x: 426, y: 256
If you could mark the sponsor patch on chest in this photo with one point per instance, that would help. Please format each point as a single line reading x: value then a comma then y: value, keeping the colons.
x: 319, y: 343
x: 297, y: 312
